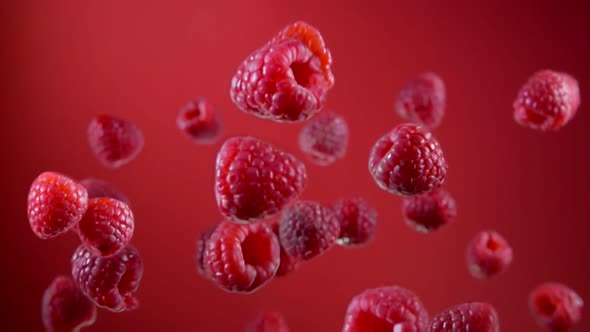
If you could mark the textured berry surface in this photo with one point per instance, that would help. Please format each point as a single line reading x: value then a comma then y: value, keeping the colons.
x: 114, y: 141
x: 488, y: 254
x: 200, y: 120
x: 55, y: 204
x: 110, y: 282
x: 547, y: 101
x: 423, y: 100
x: 325, y: 138
x: 429, y: 212
x: 242, y: 257
x: 357, y: 220
x: 254, y: 180
x: 201, y: 246
x: 65, y: 308
x: 308, y: 229
x: 288, y: 263
x: 555, y: 306
x: 269, y: 321
x: 408, y: 161
x: 386, y: 309
x: 467, y: 317
x: 107, y: 226
x: 98, y: 188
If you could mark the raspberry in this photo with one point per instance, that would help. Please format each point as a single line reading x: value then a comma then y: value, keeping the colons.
x: 98, y: 188
x: 308, y: 229
x: 547, y: 101
x: 386, y: 309
x: 65, y: 308
x: 467, y: 317
x: 114, y: 141
x: 201, y: 246
x: 55, y: 204
x: 555, y: 306
x: 325, y: 138
x: 488, y: 254
x: 357, y: 220
x: 268, y: 322
x: 408, y: 161
x: 107, y: 226
x: 242, y: 257
x: 200, y: 120
x: 110, y: 282
x: 423, y: 100
x: 288, y: 263
x: 429, y: 212
x: 254, y: 180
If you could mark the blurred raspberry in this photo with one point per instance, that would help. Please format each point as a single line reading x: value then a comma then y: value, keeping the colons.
x: 201, y: 247
x: 65, y: 308
x: 268, y: 322
x: 98, y: 188
x: 114, y: 141
x: 325, y: 138
x: 55, y: 204
x: 488, y: 254
x: 254, y: 180
x: 200, y: 120
x: 555, y: 306
x: 408, y: 161
x: 467, y: 317
x: 429, y: 212
x: 357, y: 220
x: 423, y: 100
x: 288, y: 263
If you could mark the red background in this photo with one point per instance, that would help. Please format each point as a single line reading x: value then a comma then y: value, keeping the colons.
x: 63, y: 61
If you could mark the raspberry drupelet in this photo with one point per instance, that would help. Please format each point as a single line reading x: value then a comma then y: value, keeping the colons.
x: 98, y: 188
x: 114, y: 141
x: 200, y: 120
x: 467, y: 317
x: 65, y: 308
x: 488, y: 254
x: 429, y: 212
x: 269, y: 321
x: 325, y: 138
x: 555, y: 307
x: 423, y: 100
x: 358, y: 222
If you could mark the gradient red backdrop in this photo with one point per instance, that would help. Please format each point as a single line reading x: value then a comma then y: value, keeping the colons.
x: 63, y: 61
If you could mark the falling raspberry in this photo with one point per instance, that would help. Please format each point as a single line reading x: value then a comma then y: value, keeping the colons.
x: 325, y: 138
x: 114, y: 141
x: 488, y: 254
x: 65, y: 308
x: 429, y: 212
x: 555, y: 306
x: 467, y: 317
x: 357, y: 220
x: 423, y: 100
x: 200, y: 120
x: 289, y: 263
x: 269, y: 321
x: 55, y: 204
x: 408, y: 161
x: 201, y: 246
x: 98, y: 188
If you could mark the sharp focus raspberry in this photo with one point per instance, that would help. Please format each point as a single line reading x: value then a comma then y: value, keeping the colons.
x: 423, y: 100
x: 325, y: 138
x: 65, y: 308
x: 242, y: 257
x: 429, y: 212
x: 254, y: 180
x: 488, y: 254
x: 408, y: 161
x: 107, y: 226
x: 289, y: 263
x: 56, y: 204
x: 357, y: 220
x: 386, y: 309
x: 98, y: 188
x: 201, y: 247
x: 268, y: 322
x: 467, y: 317
x: 555, y: 306
x: 200, y: 120
x: 114, y: 141
x: 547, y: 101
x: 110, y: 282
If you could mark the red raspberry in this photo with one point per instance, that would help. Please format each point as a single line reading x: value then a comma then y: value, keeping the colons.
x: 268, y: 322
x: 386, y: 309
x: 325, y: 138
x: 467, y: 317
x: 107, y: 226
x: 242, y: 257
x: 555, y: 306
x: 110, y: 282
x: 201, y: 246
x: 254, y: 180
x: 288, y: 263
x: 408, y: 161
x: 547, y: 101
x: 423, y: 100
x: 114, y: 141
x: 98, y: 188
x: 200, y: 120
x: 56, y: 204
x: 308, y: 229
x: 65, y: 308
x: 357, y: 220
x: 488, y: 254
x: 428, y: 212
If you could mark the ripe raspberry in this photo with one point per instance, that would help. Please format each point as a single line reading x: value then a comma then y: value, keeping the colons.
x: 288, y: 263
x: 201, y: 246
x: 488, y: 254
x: 555, y: 306
x: 110, y: 282
x: 242, y: 257
x: 325, y: 138
x: 268, y: 322
x: 254, y: 180
x: 308, y: 229
x: 65, y: 308
x: 55, y: 204
x: 467, y: 317
x: 423, y: 100
x: 107, y: 226
x: 408, y: 161
x: 114, y: 141
x: 200, y: 120
x: 357, y: 220
x: 429, y: 212
x: 386, y: 309
x: 98, y: 188
x: 547, y: 101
